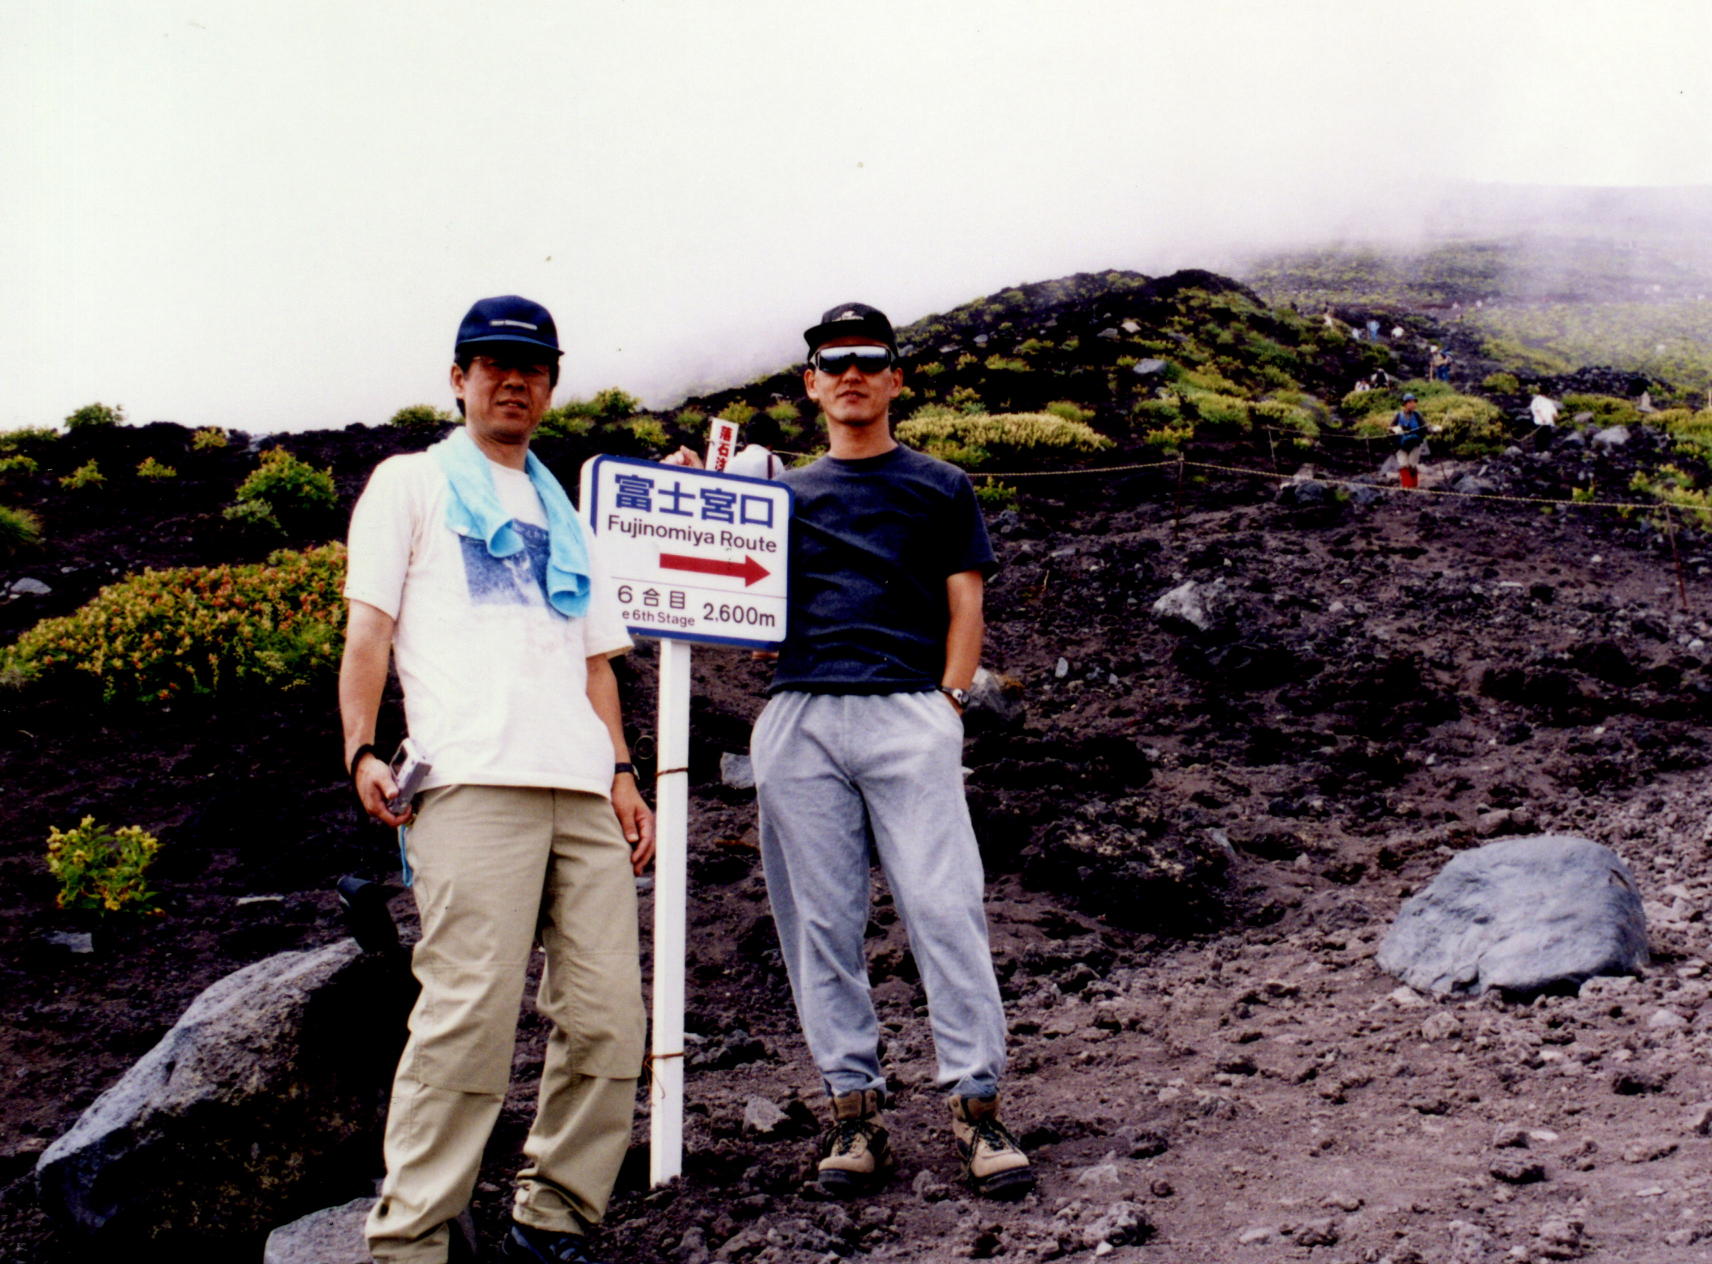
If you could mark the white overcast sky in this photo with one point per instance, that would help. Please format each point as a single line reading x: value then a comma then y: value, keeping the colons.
x: 271, y: 213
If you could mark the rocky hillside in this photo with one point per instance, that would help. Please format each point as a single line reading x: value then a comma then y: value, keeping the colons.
x: 1198, y: 814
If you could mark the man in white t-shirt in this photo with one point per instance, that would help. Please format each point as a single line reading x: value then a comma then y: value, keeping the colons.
x: 470, y: 571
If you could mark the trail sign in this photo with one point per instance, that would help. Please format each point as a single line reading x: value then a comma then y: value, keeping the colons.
x: 694, y: 555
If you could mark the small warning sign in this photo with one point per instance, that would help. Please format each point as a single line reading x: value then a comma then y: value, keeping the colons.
x: 695, y: 555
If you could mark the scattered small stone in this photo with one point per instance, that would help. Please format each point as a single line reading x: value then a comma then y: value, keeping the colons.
x: 1441, y: 1026
x: 1666, y: 1020
x: 29, y: 588
x: 736, y: 771
x: 1061, y: 668
x: 1509, y: 1137
x: 1700, y: 1120
x: 72, y: 941
x: 1105, y: 1172
x: 1648, y: 1151
x: 1561, y: 1239
x: 1344, y: 1202
x: 1517, y: 1170
x: 929, y: 1188
x: 1147, y: 1143
x: 1161, y: 1188
x: 761, y: 1117
x: 1407, y: 998
x: 1318, y: 1233
x: 1607, y: 985
x: 1123, y: 1224
x: 1255, y: 1234
x: 1634, y: 1081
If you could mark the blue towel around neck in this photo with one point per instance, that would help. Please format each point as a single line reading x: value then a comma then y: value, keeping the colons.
x: 473, y: 510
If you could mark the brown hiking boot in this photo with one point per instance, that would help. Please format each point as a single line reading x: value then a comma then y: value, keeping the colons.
x: 855, y: 1152
x: 993, y: 1161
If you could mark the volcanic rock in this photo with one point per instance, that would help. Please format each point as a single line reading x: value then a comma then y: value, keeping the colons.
x: 271, y: 1086
x: 1522, y: 915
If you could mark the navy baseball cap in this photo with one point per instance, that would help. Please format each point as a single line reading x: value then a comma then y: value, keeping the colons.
x: 851, y: 320
x: 508, y: 323
x: 1410, y: 398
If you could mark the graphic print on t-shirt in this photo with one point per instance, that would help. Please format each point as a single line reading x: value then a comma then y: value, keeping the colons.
x: 518, y: 580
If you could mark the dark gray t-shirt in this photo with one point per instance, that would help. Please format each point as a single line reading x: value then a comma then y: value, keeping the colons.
x: 872, y: 542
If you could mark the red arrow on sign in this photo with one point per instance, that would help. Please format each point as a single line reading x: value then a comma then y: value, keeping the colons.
x: 748, y: 570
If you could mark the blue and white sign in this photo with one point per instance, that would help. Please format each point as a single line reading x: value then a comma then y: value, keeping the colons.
x: 695, y: 555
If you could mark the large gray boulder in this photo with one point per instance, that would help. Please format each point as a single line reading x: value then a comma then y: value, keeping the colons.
x: 334, y: 1235
x: 268, y: 1094
x: 1524, y: 915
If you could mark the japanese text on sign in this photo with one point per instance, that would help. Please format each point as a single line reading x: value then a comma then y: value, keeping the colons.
x: 694, y: 555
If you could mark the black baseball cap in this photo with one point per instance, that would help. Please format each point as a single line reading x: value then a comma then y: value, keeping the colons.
x: 508, y: 323
x: 851, y: 320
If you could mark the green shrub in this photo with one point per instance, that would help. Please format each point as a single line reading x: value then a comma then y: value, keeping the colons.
x: 1219, y: 412
x: 995, y: 495
x: 933, y: 368
x: 1003, y: 364
x: 1033, y: 346
x: 209, y: 438
x: 974, y: 440
x: 1069, y: 410
x: 612, y: 404
x: 1169, y: 439
x: 569, y: 421
x: 421, y: 419
x: 690, y: 418
x: 150, y: 468
x: 28, y: 439
x: 92, y: 416
x: 1158, y: 414
x: 648, y: 431
x: 284, y: 492
x: 1674, y: 487
x: 86, y: 475
x: 739, y: 412
x: 1284, y: 416
x: 19, y: 530
x: 963, y: 399
x: 17, y: 464
x: 1607, y: 410
x: 1368, y: 403
x: 193, y: 631
x: 101, y: 869
x: 784, y: 412
x: 1501, y: 384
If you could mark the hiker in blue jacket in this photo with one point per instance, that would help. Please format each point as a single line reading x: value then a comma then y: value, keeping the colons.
x: 1411, y: 431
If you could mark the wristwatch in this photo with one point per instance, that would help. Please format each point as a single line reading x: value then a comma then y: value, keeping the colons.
x: 629, y: 768
x: 959, y: 696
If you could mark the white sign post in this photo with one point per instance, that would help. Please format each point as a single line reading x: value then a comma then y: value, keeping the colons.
x: 695, y: 555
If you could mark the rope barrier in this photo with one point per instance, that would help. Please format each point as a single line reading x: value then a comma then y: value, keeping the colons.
x: 1280, y: 477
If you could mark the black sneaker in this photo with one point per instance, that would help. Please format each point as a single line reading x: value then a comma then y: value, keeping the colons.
x: 543, y: 1246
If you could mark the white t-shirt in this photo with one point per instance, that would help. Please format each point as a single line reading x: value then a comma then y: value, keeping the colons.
x: 495, y: 680
x: 1544, y: 411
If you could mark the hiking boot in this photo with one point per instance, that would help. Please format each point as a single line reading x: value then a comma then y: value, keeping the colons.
x: 855, y: 1152
x: 993, y: 1161
x: 543, y: 1246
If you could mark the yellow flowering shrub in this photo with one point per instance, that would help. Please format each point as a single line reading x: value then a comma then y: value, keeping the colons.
x: 193, y: 631
x: 973, y: 439
x: 102, y: 869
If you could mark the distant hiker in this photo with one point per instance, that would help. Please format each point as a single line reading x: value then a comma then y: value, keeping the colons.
x: 468, y: 566
x: 1396, y: 332
x: 1361, y: 384
x: 1411, y: 431
x: 1373, y: 330
x: 1381, y: 379
x: 1645, y: 403
x: 1438, y: 365
x: 1544, y: 412
x: 859, y: 752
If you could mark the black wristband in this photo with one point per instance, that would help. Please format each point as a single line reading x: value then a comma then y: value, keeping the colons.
x: 629, y: 768
x: 365, y: 749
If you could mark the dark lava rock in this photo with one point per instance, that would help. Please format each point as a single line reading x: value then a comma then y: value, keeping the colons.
x: 1523, y: 915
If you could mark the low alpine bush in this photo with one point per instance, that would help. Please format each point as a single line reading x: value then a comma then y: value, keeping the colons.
x: 103, y: 870
x: 284, y: 493
x: 187, y: 632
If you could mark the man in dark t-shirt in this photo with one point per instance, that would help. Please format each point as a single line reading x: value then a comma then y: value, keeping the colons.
x: 860, y: 750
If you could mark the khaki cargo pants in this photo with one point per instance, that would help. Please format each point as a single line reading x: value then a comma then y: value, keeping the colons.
x: 498, y: 868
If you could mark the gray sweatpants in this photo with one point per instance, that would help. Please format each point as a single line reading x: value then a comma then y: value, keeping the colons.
x: 834, y: 773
